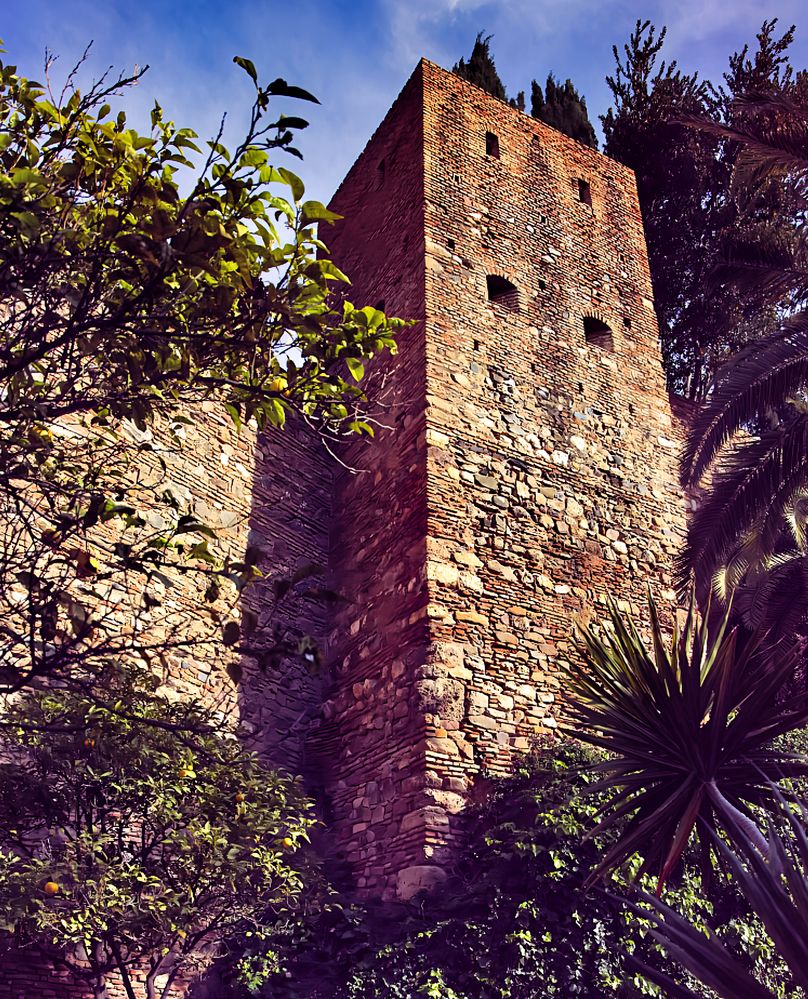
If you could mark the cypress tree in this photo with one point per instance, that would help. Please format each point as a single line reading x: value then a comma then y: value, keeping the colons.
x: 480, y: 68
x: 563, y: 108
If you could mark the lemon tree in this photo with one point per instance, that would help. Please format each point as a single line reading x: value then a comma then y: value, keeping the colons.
x: 129, y: 847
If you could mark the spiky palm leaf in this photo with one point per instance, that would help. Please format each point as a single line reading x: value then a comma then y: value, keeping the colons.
x: 761, y: 475
x: 776, y: 886
x: 686, y: 725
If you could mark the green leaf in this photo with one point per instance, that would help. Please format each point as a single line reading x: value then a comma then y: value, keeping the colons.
x: 248, y: 66
x: 313, y: 211
x: 293, y: 181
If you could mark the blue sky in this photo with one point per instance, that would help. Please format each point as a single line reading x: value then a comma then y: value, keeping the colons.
x: 356, y: 56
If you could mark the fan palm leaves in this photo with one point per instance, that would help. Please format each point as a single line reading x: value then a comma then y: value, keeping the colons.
x: 687, y: 725
x: 775, y: 884
x: 752, y: 433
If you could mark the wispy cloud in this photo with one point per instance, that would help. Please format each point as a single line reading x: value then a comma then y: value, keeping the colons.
x: 356, y: 54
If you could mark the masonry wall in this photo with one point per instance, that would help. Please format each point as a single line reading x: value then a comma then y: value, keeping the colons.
x: 370, y: 741
x: 547, y: 469
x: 551, y: 459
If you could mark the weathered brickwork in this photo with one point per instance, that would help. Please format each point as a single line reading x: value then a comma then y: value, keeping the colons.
x: 536, y: 474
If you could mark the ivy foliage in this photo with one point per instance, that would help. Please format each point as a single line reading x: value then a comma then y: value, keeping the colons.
x: 133, y: 837
x: 515, y: 918
x: 142, y: 275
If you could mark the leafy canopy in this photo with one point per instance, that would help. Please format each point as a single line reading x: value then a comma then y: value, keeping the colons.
x: 125, y: 304
x: 127, y: 845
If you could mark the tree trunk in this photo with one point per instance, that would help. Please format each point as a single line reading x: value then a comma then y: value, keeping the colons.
x: 124, y: 971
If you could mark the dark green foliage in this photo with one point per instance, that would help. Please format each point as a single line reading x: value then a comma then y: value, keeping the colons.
x: 513, y: 920
x: 563, y: 108
x: 689, y: 204
x: 687, y: 725
x: 480, y: 69
x: 749, y: 533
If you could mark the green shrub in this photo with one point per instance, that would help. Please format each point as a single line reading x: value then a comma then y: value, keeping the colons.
x: 514, y: 919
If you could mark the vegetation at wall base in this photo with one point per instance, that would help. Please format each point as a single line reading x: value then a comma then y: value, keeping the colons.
x: 133, y: 837
x: 515, y: 919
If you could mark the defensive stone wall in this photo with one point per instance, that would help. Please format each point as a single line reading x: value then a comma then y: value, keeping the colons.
x: 541, y: 459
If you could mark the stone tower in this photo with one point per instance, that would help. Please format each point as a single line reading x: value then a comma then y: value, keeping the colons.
x: 524, y: 470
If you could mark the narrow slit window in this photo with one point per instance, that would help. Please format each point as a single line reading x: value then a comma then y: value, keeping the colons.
x: 584, y: 192
x: 502, y: 291
x: 598, y: 333
x: 380, y: 171
x: 492, y: 145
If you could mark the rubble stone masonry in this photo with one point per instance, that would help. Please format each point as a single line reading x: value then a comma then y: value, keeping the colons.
x: 529, y: 468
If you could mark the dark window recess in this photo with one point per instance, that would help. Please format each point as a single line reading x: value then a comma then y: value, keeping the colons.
x: 380, y: 169
x: 585, y: 192
x: 627, y: 322
x: 450, y: 244
x: 542, y: 284
x: 456, y: 178
x: 598, y: 333
x: 476, y: 344
x: 491, y: 145
x: 501, y: 291
x: 379, y: 306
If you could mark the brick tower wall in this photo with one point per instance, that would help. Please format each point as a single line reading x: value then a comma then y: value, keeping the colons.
x: 551, y: 471
x: 370, y: 741
x: 539, y: 478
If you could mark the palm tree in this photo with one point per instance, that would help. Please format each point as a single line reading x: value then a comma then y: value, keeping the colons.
x: 687, y: 726
x: 751, y: 437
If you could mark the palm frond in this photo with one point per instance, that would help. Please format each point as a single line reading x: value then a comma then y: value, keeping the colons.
x: 756, y: 483
x: 775, y: 138
x: 762, y: 262
x: 757, y: 379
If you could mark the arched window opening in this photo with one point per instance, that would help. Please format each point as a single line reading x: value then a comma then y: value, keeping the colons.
x: 598, y: 333
x: 502, y: 291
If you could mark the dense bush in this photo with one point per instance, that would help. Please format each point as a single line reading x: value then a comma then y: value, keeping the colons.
x: 514, y: 920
